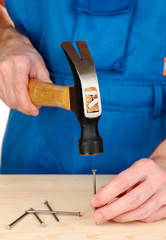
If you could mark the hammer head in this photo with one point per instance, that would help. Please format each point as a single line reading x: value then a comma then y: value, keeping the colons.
x: 85, y: 97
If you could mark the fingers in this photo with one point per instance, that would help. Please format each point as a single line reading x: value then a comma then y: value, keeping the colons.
x: 144, y: 211
x: 158, y: 215
x: 14, y: 73
x: 140, y: 201
x: 128, y: 202
x: 20, y: 86
x: 42, y: 73
x: 6, y: 89
x: 119, y: 184
x: 39, y: 71
x: 14, y: 78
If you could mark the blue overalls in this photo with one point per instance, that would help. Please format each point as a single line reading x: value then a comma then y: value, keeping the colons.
x: 127, y: 40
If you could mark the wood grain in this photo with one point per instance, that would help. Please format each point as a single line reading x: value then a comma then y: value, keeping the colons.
x: 50, y: 95
x: 64, y: 192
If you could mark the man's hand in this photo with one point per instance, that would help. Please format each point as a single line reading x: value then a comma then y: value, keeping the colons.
x: 140, y: 191
x: 19, y: 62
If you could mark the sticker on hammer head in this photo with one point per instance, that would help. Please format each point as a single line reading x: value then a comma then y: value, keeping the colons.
x: 92, y: 100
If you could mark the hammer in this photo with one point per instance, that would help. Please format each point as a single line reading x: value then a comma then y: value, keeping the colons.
x: 83, y: 98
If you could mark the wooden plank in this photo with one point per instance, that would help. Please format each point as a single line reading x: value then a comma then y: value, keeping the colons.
x: 64, y: 192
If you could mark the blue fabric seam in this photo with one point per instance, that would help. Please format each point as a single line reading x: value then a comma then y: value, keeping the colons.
x: 120, y: 11
x: 103, y: 13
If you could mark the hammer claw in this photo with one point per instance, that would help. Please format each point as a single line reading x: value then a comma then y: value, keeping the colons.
x: 70, y: 52
x: 84, y: 52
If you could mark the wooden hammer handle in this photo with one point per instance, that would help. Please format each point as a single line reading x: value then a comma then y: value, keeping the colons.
x: 50, y: 95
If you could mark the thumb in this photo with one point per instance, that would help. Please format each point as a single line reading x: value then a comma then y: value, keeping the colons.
x: 42, y: 73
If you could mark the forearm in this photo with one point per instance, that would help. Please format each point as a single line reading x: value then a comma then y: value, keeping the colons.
x: 8, y: 33
x: 159, y: 154
x: 5, y: 21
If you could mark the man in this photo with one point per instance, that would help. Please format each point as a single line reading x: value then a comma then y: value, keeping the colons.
x: 127, y: 40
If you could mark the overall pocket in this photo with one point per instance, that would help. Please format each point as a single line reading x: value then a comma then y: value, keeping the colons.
x: 105, y: 26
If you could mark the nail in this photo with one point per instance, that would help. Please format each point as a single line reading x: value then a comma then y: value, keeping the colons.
x: 56, y: 212
x: 94, y: 184
x: 37, y: 217
x: 8, y: 227
x: 95, y: 202
x: 35, y: 112
x: 94, y: 181
x: 98, y: 218
x: 49, y: 207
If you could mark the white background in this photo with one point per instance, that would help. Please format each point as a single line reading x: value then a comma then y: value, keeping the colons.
x: 4, y: 112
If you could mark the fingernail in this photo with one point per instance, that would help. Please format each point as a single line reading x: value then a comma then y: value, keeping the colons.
x: 98, y: 218
x: 34, y: 113
x: 95, y: 202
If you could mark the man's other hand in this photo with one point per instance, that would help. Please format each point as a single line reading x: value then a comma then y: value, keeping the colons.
x: 138, y: 193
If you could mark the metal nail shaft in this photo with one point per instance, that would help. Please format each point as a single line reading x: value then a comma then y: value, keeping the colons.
x: 94, y: 181
x: 49, y: 207
x: 94, y: 184
x: 56, y: 212
x: 8, y: 227
x: 37, y: 217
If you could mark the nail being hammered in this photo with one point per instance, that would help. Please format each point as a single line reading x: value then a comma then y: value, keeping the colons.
x: 94, y: 181
x: 94, y: 184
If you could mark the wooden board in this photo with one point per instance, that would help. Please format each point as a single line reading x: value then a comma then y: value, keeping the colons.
x: 64, y: 192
